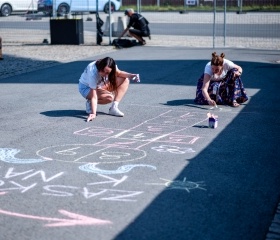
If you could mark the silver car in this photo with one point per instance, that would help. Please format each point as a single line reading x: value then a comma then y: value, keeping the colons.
x: 64, y: 7
x: 9, y: 6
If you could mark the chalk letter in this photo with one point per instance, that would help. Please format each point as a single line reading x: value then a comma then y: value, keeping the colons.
x: 58, y: 193
x: 20, y: 187
x: 122, y: 196
x: 11, y: 174
x: 112, y: 180
x: 88, y: 194
x: 43, y: 175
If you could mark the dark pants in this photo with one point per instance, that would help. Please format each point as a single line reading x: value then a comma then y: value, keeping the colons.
x: 227, y: 90
x: 139, y: 32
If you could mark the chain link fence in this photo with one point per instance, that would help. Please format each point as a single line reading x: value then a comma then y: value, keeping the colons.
x: 257, y: 30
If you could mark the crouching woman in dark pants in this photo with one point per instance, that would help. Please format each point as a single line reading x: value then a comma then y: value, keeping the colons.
x: 221, y: 83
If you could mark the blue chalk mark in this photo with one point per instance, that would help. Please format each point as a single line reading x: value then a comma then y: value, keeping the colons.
x: 91, y: 168
x: 8, y: 155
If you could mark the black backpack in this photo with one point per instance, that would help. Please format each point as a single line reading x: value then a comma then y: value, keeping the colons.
x: 124, y: 43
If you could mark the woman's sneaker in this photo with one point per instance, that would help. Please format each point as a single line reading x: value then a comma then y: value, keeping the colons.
x: 115, y: 112
x: 88, y: 107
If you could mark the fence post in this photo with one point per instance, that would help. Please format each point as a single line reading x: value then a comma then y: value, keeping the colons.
x: 225, y: 15
x: 1, y: 57
x: 214, y: 24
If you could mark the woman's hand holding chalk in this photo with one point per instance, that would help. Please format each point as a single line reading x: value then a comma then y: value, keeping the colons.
x: 91, y: 117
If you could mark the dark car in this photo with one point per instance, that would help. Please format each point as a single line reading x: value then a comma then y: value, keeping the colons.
x: 45, y: 6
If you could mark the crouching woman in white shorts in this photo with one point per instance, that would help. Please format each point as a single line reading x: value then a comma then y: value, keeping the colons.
x: 102, y: 83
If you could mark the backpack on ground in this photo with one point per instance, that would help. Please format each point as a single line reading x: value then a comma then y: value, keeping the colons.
x: 124, y: 43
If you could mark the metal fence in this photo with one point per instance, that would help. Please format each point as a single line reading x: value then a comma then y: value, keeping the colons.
x: 194, y: 29
x: 203, y: 2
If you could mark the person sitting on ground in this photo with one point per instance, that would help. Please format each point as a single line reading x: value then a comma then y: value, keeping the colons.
x: 102, y: 83
x: 221, y: 83
x: 139, y: 25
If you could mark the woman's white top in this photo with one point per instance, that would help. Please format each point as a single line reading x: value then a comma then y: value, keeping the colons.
x: 227, y: 65
x: 91, y: 78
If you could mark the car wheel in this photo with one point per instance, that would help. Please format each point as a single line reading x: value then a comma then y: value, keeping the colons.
x: 106, y: 7
x: 6, y: 10
x: 63, y: 9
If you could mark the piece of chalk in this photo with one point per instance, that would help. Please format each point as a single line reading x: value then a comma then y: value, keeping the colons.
x: 136, y: 78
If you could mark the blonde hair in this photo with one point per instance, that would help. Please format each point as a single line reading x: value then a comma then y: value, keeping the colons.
x: 130, y: 10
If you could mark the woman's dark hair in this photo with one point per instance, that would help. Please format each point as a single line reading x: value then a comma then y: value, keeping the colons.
x: 108, y: 62
x: 217, y: 60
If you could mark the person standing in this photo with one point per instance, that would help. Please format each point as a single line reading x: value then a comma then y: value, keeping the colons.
x: 221, y: 83
x: 102, y: 83
x: 138, y: 26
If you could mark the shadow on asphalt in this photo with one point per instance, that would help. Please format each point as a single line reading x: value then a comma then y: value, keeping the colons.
x: 185, y: 102
x: 232, y: 186
x: 69, y: 113
x: 65, y: 113
x: 169, y: 72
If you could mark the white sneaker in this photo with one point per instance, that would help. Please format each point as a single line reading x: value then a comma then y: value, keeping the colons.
x: 115, y: 112
x: 88, y: 107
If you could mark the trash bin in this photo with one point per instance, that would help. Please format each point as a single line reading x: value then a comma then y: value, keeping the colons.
x: 67, y: 31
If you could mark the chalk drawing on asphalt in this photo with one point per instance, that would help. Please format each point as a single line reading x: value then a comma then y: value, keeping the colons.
x: 91, y: 167
x: 91, y: 153
x: 8, y: 155
x: 173, y: 149
x: 165, y: 132
x: 104, y: 189
x: 168, y: 128
x: 181, y: 185
x: 73, y: 219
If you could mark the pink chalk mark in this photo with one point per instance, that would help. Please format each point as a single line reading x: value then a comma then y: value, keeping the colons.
x: 2, y: 193
x: 74, y: 219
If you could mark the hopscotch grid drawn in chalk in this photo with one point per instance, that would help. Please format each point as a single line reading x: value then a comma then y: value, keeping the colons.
x: 147, y: 136
x: 97, y: 131
x: 140, y: 138
x: 173, y: 149
x: 152, y: 135
x: 87, y: 147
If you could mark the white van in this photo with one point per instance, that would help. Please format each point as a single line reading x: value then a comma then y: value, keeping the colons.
x: 9, y: 6
x: 69, y: 6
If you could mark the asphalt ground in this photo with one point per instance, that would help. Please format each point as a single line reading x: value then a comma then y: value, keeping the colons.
x: 157, y: 173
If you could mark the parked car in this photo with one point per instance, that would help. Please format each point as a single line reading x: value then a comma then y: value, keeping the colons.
x: 66, y: 6
x: 9, y: 6
x: 45, y: 6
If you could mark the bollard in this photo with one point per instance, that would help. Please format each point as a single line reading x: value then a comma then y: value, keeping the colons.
x: 122, y: 24
x: 106, y: 31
